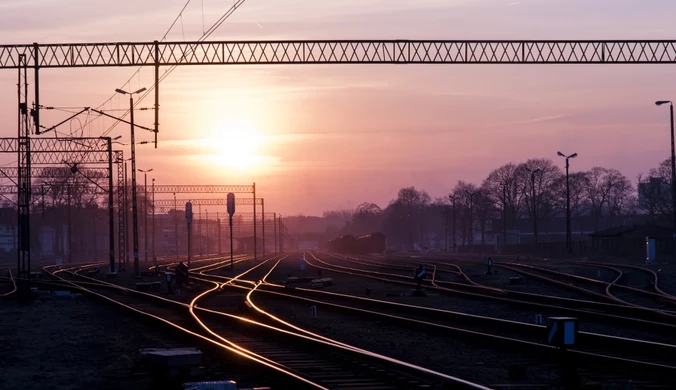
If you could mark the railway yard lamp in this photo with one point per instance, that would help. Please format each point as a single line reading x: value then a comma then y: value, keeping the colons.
x: 134, y: 206
x: 569, y: 236
x: 673, y: 162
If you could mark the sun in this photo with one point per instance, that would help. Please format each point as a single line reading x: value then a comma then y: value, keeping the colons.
x: 235, y: 144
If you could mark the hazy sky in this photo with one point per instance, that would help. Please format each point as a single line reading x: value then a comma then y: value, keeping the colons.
x: 321, y: 137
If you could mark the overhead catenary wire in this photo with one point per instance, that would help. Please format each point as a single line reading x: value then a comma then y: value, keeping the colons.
x: 138, y: 70
x: 207, y: 34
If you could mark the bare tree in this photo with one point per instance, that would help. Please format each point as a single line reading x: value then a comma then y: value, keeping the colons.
x: 404, y: 218
x: 606, y: 189
x: 506, y: 175
x: 366, y: 218
x: 485, y: 209
x: 536, y: 178
x: 621, y: 194
x: 463, y: 195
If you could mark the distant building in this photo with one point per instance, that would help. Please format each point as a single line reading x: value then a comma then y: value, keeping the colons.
x: 630, y: 241
x: 553, y: 229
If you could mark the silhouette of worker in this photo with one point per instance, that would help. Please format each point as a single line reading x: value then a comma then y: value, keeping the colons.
x: 419, y: 276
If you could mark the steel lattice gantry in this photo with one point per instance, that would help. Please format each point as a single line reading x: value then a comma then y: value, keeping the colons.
x: 404, y: 51
x: 215, y: 189
x: 47, y: 172
x: 397, y: 51
x: 205, y: 189
x: 73, y: 155
x: 167, y: 203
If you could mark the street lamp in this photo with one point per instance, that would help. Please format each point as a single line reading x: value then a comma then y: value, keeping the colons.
x: 134, y: 207
x: 673, y: 162
x: 535, y: 215
x: 145, y: 209
x: 569, y: 237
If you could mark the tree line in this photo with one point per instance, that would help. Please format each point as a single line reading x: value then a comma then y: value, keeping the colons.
x: 533, y: 189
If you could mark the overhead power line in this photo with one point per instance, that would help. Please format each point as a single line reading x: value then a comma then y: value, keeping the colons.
x: 205, y: 35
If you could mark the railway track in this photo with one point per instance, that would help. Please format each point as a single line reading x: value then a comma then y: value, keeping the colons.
x: 640, y: 303
x: 535, y: 301
x: 631, y: 296
x: 596, y: 316
x: 336, y: 367
x: 300, y: 360
x: 12, y: 282
x: 593, y: 350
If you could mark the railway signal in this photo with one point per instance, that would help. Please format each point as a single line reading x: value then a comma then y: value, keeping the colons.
x: 231, y: 212
x: 188, y: 217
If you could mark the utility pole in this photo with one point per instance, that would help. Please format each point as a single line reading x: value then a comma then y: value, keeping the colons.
x: 535, y: 215
x: 145, y: 210
x: 471, y: 221
x: 154, y: 218
x: 673, y: 169
x: 453, y: 226
x: 263, y: 214
x: 569, y: 235
x: 134, y: 206
x: 281, y: 234
x: 199, y: 226
x: 504, y: 215
x: 188, y: 217
x: 125, y: 202
x: 69, y: 241
x: 220, y: 248
x: 255, y: 238
x: 111, y: 210
x: 446, y: 228
x: 176, y: 224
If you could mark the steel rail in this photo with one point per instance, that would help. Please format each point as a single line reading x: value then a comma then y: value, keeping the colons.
x: 608, y: 302
x: 180, y: 328
x: 330, y: 342
x: 13, y: 281
x: 513, y: 301
x: 594, y: 339
x: 456, y: 381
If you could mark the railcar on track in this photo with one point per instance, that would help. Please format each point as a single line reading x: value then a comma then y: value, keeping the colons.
x: 349, y: 244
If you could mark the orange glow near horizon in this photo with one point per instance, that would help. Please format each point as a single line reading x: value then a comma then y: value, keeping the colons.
x: 235, y: 143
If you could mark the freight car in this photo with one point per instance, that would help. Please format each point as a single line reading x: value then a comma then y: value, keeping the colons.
x: 371, y: 243
x: 349, y: 244
x: 343, y: 244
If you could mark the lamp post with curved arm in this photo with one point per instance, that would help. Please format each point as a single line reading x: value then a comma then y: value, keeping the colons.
x: 134, y: 207
x: 569, y: 236
x: 673, y: 162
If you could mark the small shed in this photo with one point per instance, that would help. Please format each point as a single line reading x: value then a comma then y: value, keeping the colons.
x: 630, y: 241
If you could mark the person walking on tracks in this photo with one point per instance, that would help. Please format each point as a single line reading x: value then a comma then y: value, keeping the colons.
x: 419, y: 275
